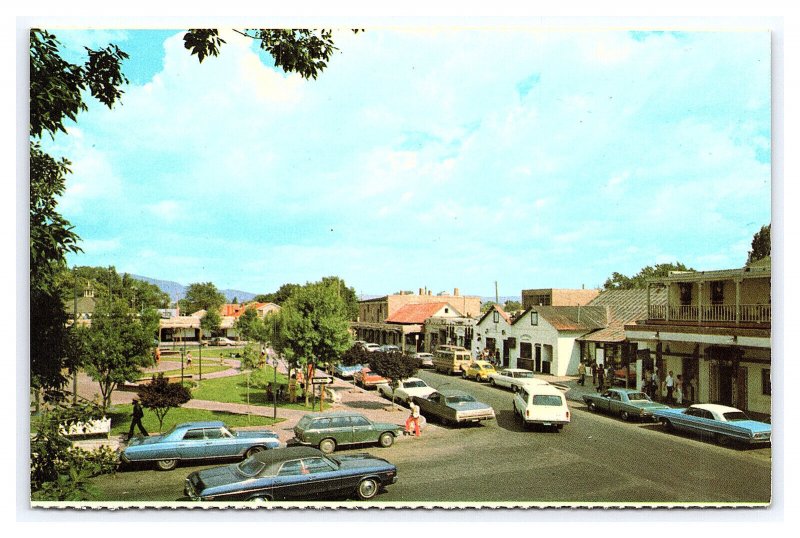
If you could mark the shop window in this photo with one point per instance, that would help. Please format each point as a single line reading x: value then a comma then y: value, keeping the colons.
x: 766, y: 382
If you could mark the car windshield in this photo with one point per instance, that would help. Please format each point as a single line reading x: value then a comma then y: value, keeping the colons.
x: 459, y: 398
x: 633, y: 396
x: 304, y: 422
x: 414, y: 384
x: 251, y: 467
x: 733, y: 416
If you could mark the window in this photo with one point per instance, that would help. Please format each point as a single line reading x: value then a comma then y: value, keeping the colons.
x: 193, y: 435
x: 685, y: 293
x: 716, y: 292
x: 340, y: 422
x: 317, y: 465
x: 213, y: 433
x: 291, y: 468
x: 546, y: 399
x: 534, y: 317
x: 766, y: 382
x: 321, y: 424
x: 359, y: 421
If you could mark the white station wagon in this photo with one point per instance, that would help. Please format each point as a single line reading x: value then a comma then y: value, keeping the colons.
x: 543, y: 405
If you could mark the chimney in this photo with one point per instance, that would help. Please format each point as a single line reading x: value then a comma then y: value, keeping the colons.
x: 455, y: 292
x: 420, y: 291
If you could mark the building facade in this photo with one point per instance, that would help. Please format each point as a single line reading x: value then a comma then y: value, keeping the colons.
x: 714, y: 331
x: 557, y: 297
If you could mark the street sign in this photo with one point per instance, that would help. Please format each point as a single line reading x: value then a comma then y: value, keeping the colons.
x: 321, y: 380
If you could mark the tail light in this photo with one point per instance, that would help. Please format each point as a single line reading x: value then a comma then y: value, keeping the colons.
x: 527, y: 412
x: 567, y: 415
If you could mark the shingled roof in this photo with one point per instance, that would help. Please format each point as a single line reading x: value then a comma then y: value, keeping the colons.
x: 572, y: 318
x: 417, y: 313
x: 624, y: 307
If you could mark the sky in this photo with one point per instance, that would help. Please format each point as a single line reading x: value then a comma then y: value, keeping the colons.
x: 441, y: 157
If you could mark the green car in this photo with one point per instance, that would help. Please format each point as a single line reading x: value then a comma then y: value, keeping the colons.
x: 329, y: 430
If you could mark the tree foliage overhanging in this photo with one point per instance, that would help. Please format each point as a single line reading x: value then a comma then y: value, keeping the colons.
x: 618, y: 281
x: 760, y: 247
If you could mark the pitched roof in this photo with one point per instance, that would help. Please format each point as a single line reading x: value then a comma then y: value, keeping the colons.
x: 630, y: 299
x: 502, y: 312
x: 416, y: 313
x: 572, y: 318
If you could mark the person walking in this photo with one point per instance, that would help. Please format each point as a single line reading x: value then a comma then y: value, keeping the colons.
x: 679, y: 390
x: 600, y: 378
x: 137, y: 419
x: 413, y: 418
x: 594, y: 373
x: 670, y: 384
x: 582, y: 374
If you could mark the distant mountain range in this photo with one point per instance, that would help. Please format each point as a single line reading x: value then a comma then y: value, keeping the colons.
x: 177, y: 291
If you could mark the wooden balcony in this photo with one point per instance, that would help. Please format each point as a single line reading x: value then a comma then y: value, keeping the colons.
x: 749, y: 314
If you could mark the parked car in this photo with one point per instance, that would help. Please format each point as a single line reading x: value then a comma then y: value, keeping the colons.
x: 345, y: 371
x: 406, y: 389
x: 366, y: 378
x: 293, y: 473
x: 371, y: 347
x: 197, y: 441
x: 451, y: 359
x: 720, y: 422
x: 221, y: 341
x: 513, y: 378
x: 389, y: 349
x: 543, y: 405
x: 329, y: 430
x: 425, y: 359
x: 621, y: 373
x: 454, y: 407
x: 479, y: 371
x: 627, y: 403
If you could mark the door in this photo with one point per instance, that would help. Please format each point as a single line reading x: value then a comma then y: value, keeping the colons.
x: 506, y: 353
x: 362, y: 430
x: 725, y: 394
x: 538, y: 359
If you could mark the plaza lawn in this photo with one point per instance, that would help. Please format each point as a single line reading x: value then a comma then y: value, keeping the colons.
x: 194, y: 369
x: 233, y: 389
x: 121, y: 419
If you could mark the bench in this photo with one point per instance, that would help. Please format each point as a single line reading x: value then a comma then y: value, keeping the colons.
x: 98, y: 426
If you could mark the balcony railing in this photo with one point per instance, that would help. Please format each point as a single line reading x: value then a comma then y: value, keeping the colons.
x: 747, y: 313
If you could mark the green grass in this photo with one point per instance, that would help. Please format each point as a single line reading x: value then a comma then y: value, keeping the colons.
x: 121, y: 419
x: 194, y: 369
x: 233, y: 389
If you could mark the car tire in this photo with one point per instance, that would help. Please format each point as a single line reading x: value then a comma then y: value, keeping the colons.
x: 667, y: 424
x: 260, y: 499
x: 592, y: 407
x: 464, y: 375
x: 386, y: 439
x: 327, y: 446
x: 253, y: 450
x: 367, y: 489
x: 625, y: 416
x: 492, y: 383
x: 166, y: 465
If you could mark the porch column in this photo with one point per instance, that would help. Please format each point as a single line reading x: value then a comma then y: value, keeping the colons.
x: 649, y: 314
x: 738, y: 301
x: 667, y: 307
x: 699, y: 302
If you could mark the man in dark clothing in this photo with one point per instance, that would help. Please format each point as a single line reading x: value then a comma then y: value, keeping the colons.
x: 137, y: 419
x: 600, y: 378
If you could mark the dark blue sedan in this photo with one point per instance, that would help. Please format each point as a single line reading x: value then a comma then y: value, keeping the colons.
x: 198, y: 441
x: 295, y: 473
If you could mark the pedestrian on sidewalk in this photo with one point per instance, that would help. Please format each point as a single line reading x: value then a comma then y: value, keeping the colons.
x: 413, y: 418
x: 137, y: 419
x: 670, y: 383
x: 189, y: 358
x: 594, y: 373
x: 582, y: 374
x: 679, y: 390
x: 600, y: 378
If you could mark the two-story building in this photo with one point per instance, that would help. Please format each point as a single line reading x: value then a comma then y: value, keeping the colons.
x: 714, y: 331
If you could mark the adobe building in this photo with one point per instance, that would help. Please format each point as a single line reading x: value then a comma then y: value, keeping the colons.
x: 557, y: 297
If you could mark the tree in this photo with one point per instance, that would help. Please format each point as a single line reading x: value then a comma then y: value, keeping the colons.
x: 393, y: 366
x: 485, y: 307
x: 57, y: 90
x: 618, y: 281
x: 348, y: 294
x: 210, y: 322
x: 160, y: 395
x: 512, y: 306
x: 202, y: 296
x: 356, y: 355
x: 279, y: 297
x: 312, y: 326
x: 115, y: 347
x: 761, y: 246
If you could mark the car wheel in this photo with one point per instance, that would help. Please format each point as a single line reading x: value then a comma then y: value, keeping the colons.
x: 667, y: 424
x: 367, y: 489
x: 386, y: 439
x: 327, y: 446
x: 492, y: 383
x: 464, y: 375
x: 592, y: 407
x: 253, y: 450
x: 625, y: 416
x: 166, y: 465
x: 260, y: 499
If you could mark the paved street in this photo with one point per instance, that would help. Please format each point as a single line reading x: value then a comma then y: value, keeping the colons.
x: 596, y: 458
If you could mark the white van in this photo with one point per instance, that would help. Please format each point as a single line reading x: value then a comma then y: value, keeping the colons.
x: 451, y: 359
x: 541, y: 404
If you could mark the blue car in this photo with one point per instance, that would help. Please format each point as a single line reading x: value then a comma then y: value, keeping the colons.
x: 293, y: 473
x: 197, y: 441
x: 720, y: 422
x: 346, y: 372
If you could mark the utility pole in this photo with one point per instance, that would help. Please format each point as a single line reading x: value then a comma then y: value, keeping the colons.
x: 496, y: 294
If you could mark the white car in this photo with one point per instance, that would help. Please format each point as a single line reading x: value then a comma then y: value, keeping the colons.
x: 541, y: 405
x: 406, y: 389
x: 371, y: 347
x: 425, y: 359
x: 513, y: 378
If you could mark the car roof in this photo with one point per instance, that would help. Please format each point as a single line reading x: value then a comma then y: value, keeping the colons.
x: 716, y: 407
x: 413, y: 379
x: 334, y: 414
x: 202, y: 424
x: 542, y: 389
x: 278, y: 455
x: 515, y: 370
x: 483, y: 363
x: 452, y: 392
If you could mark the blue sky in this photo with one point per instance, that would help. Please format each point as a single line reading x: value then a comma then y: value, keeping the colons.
x: 438, y: 157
